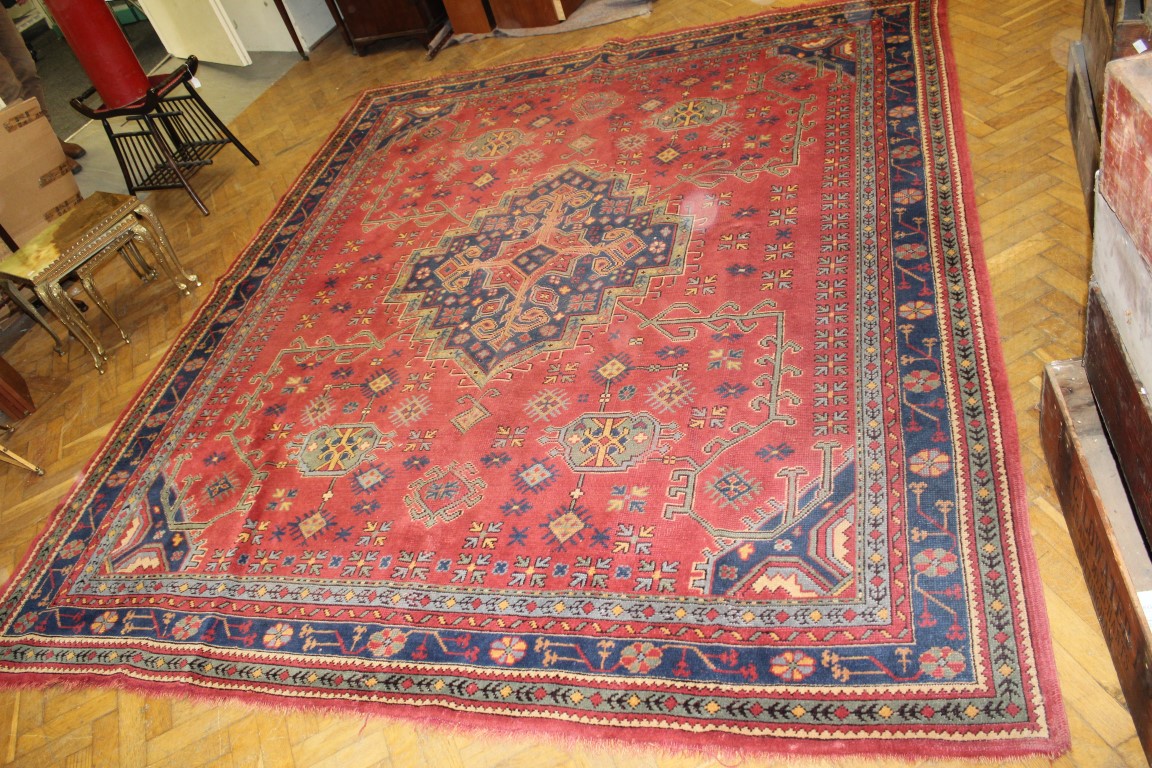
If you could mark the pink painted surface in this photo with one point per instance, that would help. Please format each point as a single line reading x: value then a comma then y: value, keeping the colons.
x: 1126, y: 152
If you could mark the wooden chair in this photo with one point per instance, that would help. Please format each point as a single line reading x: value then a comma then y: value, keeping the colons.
x: 166, y: 137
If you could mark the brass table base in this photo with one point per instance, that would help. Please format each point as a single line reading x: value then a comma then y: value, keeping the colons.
x: 80, y: 241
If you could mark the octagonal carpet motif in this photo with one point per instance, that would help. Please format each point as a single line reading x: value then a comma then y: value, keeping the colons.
x: 649, y: 392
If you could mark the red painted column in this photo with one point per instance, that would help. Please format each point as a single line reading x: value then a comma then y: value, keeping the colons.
x: 102, y: 50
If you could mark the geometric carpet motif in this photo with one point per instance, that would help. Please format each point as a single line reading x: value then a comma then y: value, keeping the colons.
x: 650, y: 392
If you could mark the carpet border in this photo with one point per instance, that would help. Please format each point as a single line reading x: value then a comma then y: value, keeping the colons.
x: 1032, y: 585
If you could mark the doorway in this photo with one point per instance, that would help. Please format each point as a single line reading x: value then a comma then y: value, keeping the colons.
x: 61, y: 73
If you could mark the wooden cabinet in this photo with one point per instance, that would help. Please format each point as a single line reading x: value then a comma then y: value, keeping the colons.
x: 470, y: 16
x: 15, y: 401
x: 521, y: 14
x: 482, y: 16
x: 364, y: 21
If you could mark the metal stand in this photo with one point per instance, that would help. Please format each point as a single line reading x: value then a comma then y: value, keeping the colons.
x: 169, y: 137
x: 14, y: 458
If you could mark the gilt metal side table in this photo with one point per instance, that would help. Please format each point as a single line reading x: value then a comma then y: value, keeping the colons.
x: 82, y: 239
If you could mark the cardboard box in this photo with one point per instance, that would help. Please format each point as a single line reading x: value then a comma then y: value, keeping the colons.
x: 37, y: 185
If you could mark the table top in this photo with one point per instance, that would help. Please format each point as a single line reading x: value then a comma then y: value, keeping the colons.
x: 70, y: 240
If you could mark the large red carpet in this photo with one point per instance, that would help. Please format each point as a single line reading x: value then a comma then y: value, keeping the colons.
x: 650, y: 392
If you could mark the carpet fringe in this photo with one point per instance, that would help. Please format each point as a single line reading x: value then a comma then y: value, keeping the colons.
x: 726, y: 749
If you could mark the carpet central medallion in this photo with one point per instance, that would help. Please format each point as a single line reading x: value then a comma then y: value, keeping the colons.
x: 529, y: 273
x: 644, y: 391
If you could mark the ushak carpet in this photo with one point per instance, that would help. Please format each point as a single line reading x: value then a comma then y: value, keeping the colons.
x: 648, y: 392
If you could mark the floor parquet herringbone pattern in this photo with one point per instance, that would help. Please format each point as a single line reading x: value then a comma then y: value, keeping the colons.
x: 1012, y: 80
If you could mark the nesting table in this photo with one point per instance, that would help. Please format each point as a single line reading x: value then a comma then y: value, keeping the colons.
x: 99, y: 228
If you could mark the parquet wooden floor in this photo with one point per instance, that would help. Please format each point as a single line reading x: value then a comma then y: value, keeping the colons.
x: 1011, y: 61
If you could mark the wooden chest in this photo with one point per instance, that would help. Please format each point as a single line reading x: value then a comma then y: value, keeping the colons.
x: 1103, y: 527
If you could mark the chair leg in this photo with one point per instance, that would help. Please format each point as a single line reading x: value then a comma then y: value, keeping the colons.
x: 170, y: 160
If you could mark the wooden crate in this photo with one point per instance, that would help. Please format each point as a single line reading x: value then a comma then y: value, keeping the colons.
x: 1122, y: 402
x: 1109, y: 28
x: 1083, y: 123
x: 1125, y: 173
x: 1108, y: 541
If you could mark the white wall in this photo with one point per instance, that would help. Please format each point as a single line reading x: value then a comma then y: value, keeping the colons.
x: 312, y: 19
x: 260, y: 28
